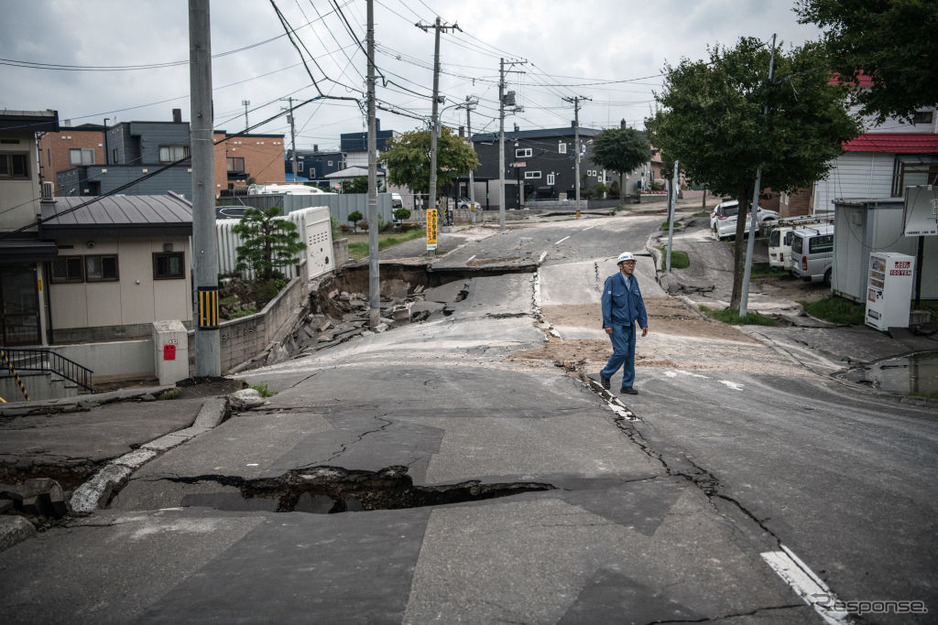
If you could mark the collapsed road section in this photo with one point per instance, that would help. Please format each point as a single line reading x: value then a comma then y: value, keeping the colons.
x: 330, y: 490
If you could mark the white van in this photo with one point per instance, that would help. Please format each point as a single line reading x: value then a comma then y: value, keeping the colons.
x: 780, y: 247
x: 396, y: 201
x: 812, y: 253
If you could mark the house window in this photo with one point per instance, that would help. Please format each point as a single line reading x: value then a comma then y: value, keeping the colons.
x: 562, y: 148
x: 67, y: 269
x: 81, y: 156
x: 912, y: 171
x: 524, y: 153
x: 532, y: 175
x: 236, y: 164
x: 299, y: 166
x: 551, y: 179
x: 330, y: 163
x: 173, y: 153
x: 923, y: 117
x: 168, y: 265
x: 101, y: 268
x: 14, y: 166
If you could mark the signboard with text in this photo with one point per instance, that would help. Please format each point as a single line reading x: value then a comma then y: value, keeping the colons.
x: 920, y: 218
x: 431, y: 228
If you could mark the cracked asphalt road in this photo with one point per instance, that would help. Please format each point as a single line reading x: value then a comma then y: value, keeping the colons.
x: 660, y: 515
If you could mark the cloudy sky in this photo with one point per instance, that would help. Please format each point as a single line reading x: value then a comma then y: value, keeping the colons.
x: 125, y: 60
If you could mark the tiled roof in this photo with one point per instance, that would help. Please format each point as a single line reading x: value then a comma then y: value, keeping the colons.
x: 894, y: 143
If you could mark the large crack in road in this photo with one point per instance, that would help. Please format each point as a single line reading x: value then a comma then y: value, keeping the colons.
x: 329, y: 490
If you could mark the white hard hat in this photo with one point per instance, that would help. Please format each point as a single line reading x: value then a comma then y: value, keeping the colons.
x: 624, y: 256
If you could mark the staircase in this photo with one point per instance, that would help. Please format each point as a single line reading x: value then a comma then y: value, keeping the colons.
x: 55, y: 370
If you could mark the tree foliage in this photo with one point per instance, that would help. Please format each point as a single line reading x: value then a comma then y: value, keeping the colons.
x: 408, y: 159
x: 268, y: 242
x: 713, y: 120
x: 621, y: 150
x: 892, y: 42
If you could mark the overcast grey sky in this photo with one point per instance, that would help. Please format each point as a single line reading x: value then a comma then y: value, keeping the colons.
x: 126, y: 59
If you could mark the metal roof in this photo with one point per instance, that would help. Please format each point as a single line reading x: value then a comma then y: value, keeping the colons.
x: 117, y: 215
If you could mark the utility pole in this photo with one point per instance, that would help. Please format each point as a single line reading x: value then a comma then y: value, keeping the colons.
x: 202, y: 151
x: 501, y: 144
x: 374, y: 281
x: 470, y: 103
x: 437, y: 26
x: 747, y: 272
x: 246, y: 104
x: 292, y: 137
x: 501, y: 141
x: 576, y: 140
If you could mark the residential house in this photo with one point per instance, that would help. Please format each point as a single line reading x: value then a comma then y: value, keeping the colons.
x: 24, y: 256
x: 540, y: 163
x: 313, y: 164
x: 123, y: 262
x: 354, y: 145
x: 137, y: 158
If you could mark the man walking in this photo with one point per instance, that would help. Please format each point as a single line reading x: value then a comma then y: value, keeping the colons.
x: 622, y: 306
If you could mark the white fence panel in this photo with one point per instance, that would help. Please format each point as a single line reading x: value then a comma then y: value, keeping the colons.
x: 314, y: 227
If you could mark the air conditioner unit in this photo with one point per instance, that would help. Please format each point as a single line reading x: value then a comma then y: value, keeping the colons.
x: 48, y: 191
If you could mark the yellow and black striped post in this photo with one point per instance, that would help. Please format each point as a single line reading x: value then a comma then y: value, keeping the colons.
x: 15, y: 375
x: 208, y: 308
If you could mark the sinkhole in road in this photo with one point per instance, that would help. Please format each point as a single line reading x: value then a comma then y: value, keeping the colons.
x: 330, y: 490
x: 914, y: 374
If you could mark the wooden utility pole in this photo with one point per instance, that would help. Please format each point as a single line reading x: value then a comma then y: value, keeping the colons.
x: 202, y: 152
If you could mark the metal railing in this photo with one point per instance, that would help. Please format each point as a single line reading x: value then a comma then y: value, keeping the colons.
x: 47, y: 361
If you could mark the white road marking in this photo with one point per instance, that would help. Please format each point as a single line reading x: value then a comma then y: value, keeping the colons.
x: 806, y: 584
x: 562, y: 240
x: 471, y: 257
x: 736, y: 386
x: 675, y: 373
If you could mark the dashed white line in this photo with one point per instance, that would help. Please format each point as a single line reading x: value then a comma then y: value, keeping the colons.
x: 562, y: 240
x: 736, y: 386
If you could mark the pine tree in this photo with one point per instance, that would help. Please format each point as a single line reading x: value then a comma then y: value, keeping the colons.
x: 269, y: 242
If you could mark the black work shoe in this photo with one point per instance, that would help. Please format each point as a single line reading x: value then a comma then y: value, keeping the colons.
x: 628, y: 390
x: 604, y: 380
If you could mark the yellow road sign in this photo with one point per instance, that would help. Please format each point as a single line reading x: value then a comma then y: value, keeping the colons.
x: 431, y: 228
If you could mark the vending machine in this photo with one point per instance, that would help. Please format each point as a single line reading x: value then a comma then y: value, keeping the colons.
x: 889, y: 292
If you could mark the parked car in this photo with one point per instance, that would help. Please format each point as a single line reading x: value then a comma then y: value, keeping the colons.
x: 723, y: 219
x: 722, y: 211
x: 230, y: 212
x: 465, y: 202
x: 396, y: 201
x: 812, y: 253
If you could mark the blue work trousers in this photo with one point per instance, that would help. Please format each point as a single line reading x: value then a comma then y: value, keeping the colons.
x: 623, y: 354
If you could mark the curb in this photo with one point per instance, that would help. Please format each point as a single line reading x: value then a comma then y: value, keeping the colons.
x: 88, y: 497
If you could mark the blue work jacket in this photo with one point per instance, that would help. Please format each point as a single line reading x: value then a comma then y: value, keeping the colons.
x: 622, y: 306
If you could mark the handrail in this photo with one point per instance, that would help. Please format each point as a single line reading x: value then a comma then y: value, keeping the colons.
x: 46, y: 360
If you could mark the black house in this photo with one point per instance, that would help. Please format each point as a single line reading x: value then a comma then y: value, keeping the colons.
x: 542, y: 162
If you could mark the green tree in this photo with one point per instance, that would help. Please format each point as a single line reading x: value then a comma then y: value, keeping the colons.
x: 892, y: 42
x: 408, y: 159
x: 359, y: 184
x: 354, y: 217
x: 712, y: 119
x: 621, y: 150
x: 268, y: 242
